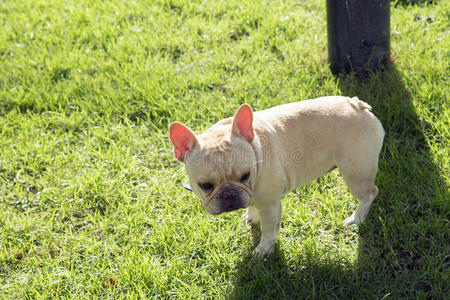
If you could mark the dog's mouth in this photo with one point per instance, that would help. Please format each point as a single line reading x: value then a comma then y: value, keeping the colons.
x: 226, y: 206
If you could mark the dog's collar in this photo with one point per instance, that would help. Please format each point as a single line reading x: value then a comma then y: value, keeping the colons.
x: 187, y: 186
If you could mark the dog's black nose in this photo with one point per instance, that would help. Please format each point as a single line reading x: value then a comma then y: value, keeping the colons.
x: 228, y: 194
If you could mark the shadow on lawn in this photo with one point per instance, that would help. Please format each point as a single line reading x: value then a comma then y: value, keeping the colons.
x: 403, y: 246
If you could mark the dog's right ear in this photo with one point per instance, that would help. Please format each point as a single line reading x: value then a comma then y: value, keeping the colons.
x: 183, y: 140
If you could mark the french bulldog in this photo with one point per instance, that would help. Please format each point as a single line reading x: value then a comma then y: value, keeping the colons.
x: 254, y: 158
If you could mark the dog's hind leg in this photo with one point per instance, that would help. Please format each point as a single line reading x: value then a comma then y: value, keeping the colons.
x: 364, y: 203
x: 358, y: 164
x: 359, y: 174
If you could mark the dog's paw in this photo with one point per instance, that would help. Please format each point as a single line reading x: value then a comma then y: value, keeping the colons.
x: 251, y: 216
x: 261, y: 251
x: 352, y: 220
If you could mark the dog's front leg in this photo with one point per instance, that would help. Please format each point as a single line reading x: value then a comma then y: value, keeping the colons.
x: 269, y: 216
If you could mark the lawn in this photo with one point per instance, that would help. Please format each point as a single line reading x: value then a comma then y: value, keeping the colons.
x: 91, y: 198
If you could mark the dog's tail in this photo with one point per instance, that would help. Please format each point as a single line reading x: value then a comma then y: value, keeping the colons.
x: 359, y: 104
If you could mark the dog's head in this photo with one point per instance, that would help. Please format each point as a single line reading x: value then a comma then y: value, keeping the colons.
x: 221, y: 162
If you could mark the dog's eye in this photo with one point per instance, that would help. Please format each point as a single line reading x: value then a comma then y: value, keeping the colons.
x: 245, y: 177
x: 206, y: 186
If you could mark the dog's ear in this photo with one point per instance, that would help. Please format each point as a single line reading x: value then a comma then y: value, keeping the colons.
x: 243, y: 123
x: 183, y: 140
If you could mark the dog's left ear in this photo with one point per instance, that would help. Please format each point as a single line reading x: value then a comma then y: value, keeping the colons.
x: 243, y: 123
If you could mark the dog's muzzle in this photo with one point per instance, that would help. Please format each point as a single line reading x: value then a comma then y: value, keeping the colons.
x: 230, y: 196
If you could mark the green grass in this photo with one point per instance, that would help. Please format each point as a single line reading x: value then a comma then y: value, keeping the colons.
x: 91, y: 202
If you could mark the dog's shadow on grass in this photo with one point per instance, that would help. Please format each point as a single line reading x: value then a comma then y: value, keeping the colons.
x: 403, y: 246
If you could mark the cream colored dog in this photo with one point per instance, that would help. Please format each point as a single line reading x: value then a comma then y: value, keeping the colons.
x: 253, y: 159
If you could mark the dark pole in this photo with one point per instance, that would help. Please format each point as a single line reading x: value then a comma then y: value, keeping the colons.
x: 358, y: 35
